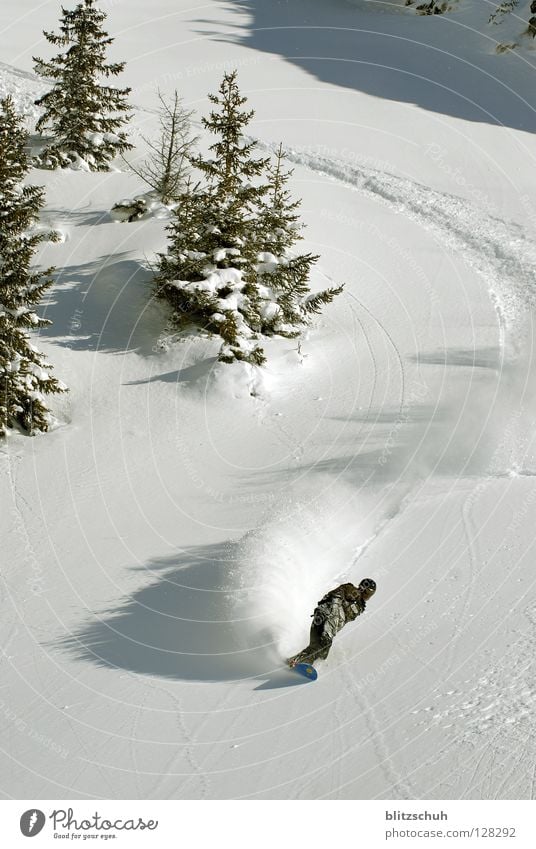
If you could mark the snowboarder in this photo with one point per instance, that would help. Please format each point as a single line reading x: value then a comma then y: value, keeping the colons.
x: 334, y: 610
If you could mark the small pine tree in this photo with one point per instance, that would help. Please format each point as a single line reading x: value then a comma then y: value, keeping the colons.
x: 83, y: 116
x: 286, y: 275
x: 165, y: 170
x: 24, y: 372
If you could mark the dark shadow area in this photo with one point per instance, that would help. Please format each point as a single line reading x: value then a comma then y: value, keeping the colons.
x: 188, y: 374
x: 107, y: 305
x: 365, y: 468
x: 64, y: 217
x: 35, y: 146
x: 391, y: 415
x: 182, y: 625
x: 374, y: 466
x: 438, y: 62
x: 467, y: 357
x: 388, y: 445
x: 398, y: 445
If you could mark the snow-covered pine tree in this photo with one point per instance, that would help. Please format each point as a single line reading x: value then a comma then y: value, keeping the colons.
x: 229, y: 268
x: 25, y: 376
x: 285, y: 273
x: 210, y: 272
x: 84, y: 117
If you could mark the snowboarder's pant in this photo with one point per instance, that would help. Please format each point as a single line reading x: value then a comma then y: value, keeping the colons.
x: 318, y: 648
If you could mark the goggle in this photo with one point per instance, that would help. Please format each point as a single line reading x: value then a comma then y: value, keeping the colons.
x: 368, y: 584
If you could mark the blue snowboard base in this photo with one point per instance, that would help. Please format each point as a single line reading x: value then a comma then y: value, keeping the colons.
x: 306, y: 670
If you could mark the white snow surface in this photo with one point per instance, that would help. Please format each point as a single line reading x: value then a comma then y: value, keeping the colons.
x: 164, y: 545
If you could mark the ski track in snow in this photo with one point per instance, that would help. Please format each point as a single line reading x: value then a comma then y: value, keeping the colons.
x: 494, y: 716
x: 470, y: 582
x: 184, y: 748
x: 394, y: 346
x: 20, y: 504
x: 397, y: 783
x: 500, y: 251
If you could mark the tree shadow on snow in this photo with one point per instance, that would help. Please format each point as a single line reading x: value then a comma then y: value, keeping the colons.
x: 188, y: 374
x: 391, y: 56
x: 183, y: 625
x: 399, y: 445
x: 467, y: 357
x: 78, y: 217
x: 106, y: 305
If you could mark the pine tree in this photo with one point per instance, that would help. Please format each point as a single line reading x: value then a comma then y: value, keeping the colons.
x: 285, y: 273
x: 230, y: 269
x: 24, y: 372
x: 212, y: 279
x: 83, y: 116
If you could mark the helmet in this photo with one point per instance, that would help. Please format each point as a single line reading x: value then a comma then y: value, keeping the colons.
x: 368, y: 585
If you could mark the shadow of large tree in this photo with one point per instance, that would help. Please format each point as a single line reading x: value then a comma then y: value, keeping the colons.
x: 439, y: 63
x: 106, y: 305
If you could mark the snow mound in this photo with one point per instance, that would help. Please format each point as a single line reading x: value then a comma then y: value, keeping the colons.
x: 139, y: 207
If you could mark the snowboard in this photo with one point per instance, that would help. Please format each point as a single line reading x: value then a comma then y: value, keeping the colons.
x: 306, y: 670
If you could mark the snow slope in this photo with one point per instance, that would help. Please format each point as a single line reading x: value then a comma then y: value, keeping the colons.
x: 164, y: 546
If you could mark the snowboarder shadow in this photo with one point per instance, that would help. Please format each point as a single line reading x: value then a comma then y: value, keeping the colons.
x: 182, y: 625
x: 280, y: 679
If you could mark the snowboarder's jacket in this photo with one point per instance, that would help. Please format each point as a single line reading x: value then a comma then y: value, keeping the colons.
x: 336, y: 608
x: 333, y: 611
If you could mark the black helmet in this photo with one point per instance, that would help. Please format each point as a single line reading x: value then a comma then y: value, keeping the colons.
x: 368, y: 585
